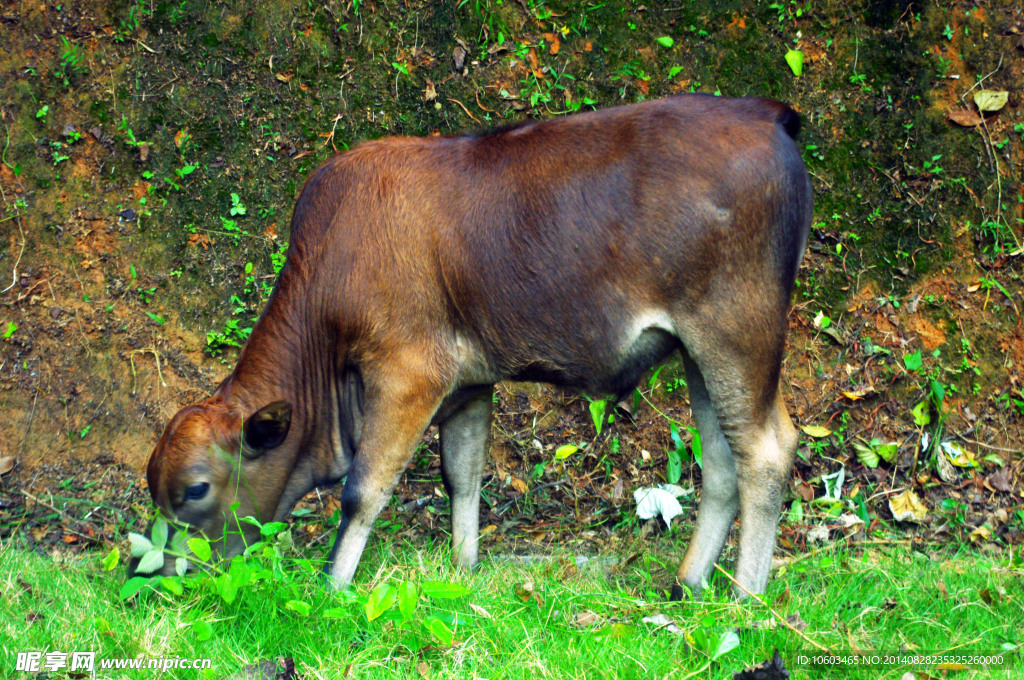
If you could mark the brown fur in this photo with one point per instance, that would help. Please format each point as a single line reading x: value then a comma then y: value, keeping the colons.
x: 421, y: 271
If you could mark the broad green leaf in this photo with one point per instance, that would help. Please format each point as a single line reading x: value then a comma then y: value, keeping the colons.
x: 172, y: 585
x: 796, y: 511
x: 203, y: 630
x: 408, y: 598
x: 598, y: 407
x: 298, y: 606
x: 159, y: 533
x: 271, y: 528
x: 239, y: 572
x: 140, y: 545
x: 112, y: 559
x: 795, y: 59
x: 888, y: 451
x: 226, y: 588
x: 913, y: 361
x: 728, y: 642
x: 132, y: 586
x: 866, y: 455
x: 696, y: 446
x: 180, y: 566
x: 565, y: 450
x: 441, y: 632
x: 442, y: 590
x: 922, y: 414
x: 674, y: 71
x: 615, y: 630
x: 11, y: 328
x: 151, y: 561
x: 381, y: 599
x: 674, y: 470
x: 200, y: 547
x: 666, y: 41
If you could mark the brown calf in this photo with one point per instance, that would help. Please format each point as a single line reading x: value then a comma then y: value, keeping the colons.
x: 577, y: 251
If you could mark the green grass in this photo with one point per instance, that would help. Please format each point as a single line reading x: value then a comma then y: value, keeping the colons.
x: 885, y: 598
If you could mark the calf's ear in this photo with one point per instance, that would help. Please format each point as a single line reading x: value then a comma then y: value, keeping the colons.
x: 266, y: 429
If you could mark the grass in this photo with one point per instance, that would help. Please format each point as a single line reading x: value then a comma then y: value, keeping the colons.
x: 545, y: 619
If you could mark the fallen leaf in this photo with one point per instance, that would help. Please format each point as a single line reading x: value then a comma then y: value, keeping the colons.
x: 284, y: 77
x: 773, y: 669
x: 964, y: 118
x: 519, y: 485
x: 430, y: 92
x: 818, y: 534
x: 489, y: 529
x: 907, y: 507
x: 480, y: 611
x: 816, y: 431
x: 1000, y: 480
x: 991, y: 100
x: 423, y: 669
x: 982, y: 533
x: 525, y: 592
x: 795, y: 621
x: 958, y: 455
x: 860, y: 393
x: 663, y: 623
x: 587, y: 619
x: 6, y: 464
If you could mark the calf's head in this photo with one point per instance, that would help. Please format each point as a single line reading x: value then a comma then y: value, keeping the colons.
x: 214, y: 465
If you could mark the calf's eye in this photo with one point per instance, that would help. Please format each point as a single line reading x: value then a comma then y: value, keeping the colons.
x: 196, y: 491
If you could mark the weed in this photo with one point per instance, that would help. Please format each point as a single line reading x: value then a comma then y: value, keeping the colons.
x: 70, y: 62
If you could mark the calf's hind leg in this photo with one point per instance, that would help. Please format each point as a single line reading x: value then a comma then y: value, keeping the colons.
x: 741, y: 372
x: 463, y: 450
x: 719, y: 499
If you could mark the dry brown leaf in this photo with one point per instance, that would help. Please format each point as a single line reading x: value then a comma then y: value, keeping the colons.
x: 480, y: 611
x: 907, y: 507
x: 964, y: 118
x: 6, y: 464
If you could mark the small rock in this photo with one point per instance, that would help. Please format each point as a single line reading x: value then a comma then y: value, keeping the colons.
x: 69, y: 129
x: 97, y: 133
x: 55, y: 313
x: 458, y: 58
x: 127, y: 215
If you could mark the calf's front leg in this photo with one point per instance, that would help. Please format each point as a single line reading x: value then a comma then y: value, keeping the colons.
x: 397, y: 413
x: 463, y: 450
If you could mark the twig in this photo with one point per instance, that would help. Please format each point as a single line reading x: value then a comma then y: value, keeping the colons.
x: 21, y: 252
x: 145, y: 350
x: 465, y: 109
x: 772, y: 611
x: 31, y: 417
x: 477, y: 95
x: 985, y: 446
